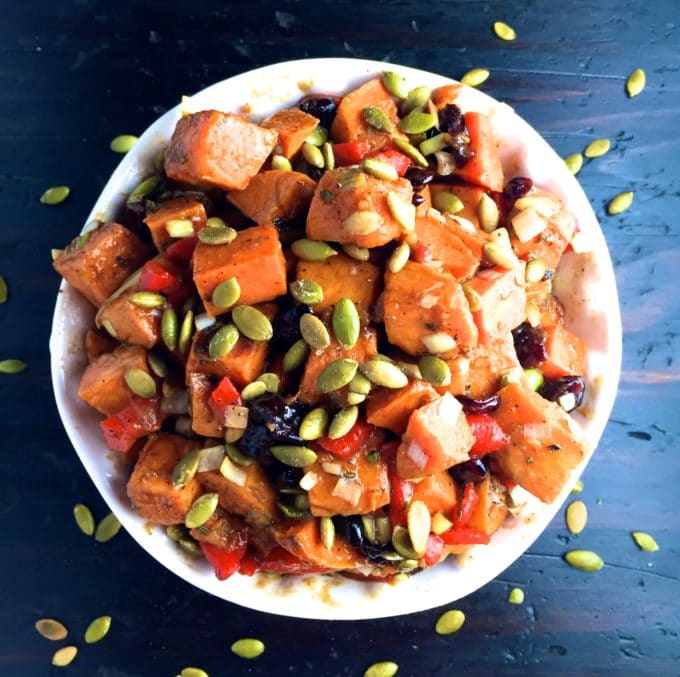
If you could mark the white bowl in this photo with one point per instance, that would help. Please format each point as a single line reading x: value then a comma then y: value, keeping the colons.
x: 585, y: 283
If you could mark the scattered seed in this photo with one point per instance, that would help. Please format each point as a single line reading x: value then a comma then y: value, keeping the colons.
x: 147, y: 299
x: 475, y: 77
x: 64, y: 656
x: 411, y: 370
x: 201, y: 510
x: 620, y: 203
x: 636, y: 82
x: 401, y: 542
x: 435, y: 143
x: 185, y: 469
x: 499, y: 255
x: 248, y: 648
x: 473, y: 298
x: 450, y: 622
x: 314, y: 424
x: 435, y: 370
x: 107, y: 528
x: 644, y: 541
x: 418, y: 123
x: 576, y: 517
x: 395, y: 84
x: 226, y: 293
x: 578, y: 487
x: 109, y: 328
x: 308, y: 292
x: 343, y: 422
x: 271, y: 381
x: 535, y: 271
x: 574, y: 162
x: 216, y: 235
x: 312, y: 155
x: 336, y: 375
x: 222, y: 341
x: 384, y: 373
x: 382, y: 669
x: 355, y: 398
x: 362, y: 222
x: 144, y: 188
x: 123, y: 143
x: 416, y: 98
x: 399, y: 257
x: 55, y: 196
x: 503, y: 31
x: 295, y: 356
x: 51, y: 629
x: 252, y: 323
x: 12, y: 366
x: 318, y: 137
x: 346, y: 323
x: 83, y: 518
x: 140, y: 382
x: 410, y: 151
x: 441, y: 342
x: 98, y: 629
x: 419, y: 525
x: 314, y: 331
x: 253, y: 390
x: 312, y: 250
x: 376, y: 118
x: 237, y: 456
x: 360, y: 384
x: 597, y: 148
x: 328, y: 156
x: 356, y: 253
x: 294, y: 456
x: 445, y: 201
x: 585, y: 560
x: 516, y: 596
x: 380, y: 169
x: 488, y: 214
x: 169, y: 328
x: 3, y: 289
x: 327, y: 532
x: 404, y: 213
x: 281, y: 163
x: 193, y: 672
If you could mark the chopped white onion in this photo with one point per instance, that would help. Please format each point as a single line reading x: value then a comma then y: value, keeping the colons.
x: 528, y: 224
x: 233, y: 472
x: 332, y: 468
x: 417, y: 454
x: 567, y: 401
x: 446, y: 163
x: 348, y: 490
x: 210, y: 458
x: 544, y: 205
x: 203, y: 321
x: 308, y: 481
x: 236, y: 416
x: 537, y: 431
x: 428, y: 300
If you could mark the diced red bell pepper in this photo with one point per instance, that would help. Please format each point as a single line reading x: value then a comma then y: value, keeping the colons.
x: 489, y: 436
x: 141, y: 417
x: 467, y: 505
x: 183, y: 249
x: 351, y: 153
x: 224, y: 561
x: 156, y: 277
x: 348, y: 444
x: 248, y: 564
x: 398, y: 160
x: 433, y: 550
x: 222, y: 396
x: 280, y: 561
x: 421, y: 253
x: 465, y: 536
x: 401, y: 493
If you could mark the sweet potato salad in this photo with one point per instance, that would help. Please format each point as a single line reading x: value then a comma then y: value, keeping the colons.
x: 327, y: 341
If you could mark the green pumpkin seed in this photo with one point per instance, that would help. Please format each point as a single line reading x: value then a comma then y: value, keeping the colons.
x: 401, y: 542
x: 336, y: 375
x: 346, y: 323
x: 357, y: 253
x: 201, y: 510
x: 419, y: 524
x: 440, y: 342
x: 328, y: 156
x: 376, y: 118
x: 157, y: 364
x: 445, y: 201
x: 98, y: 629
x: 193, y: 672
x: 534, y: 315
x: 226, y: 293
x: 499, y: 255
x: 308, y: 292
x: 312, y: 155
x: 253, y: 390
x: 417, y: 123
x: 147, y: 299
x: 534, y: 379
x: 404, y: 213
x: 585, y: 560
x: 107, y: 528
x: 487, y: 212
x: 440, y: 523
x: 416, y: 98
x: 176, y: 532
x: 318, y: 137
x: 395, y: 84
x: 248, y: 648
x: 252, y: 323
x: 123, y: 143
x: 51, y: 629
x: 355, y: 398
x: 516, y: 596
x: 450, y: 622
x: 574, y: 163
x: 411, y: 370
x: 295, y: 356
x: 109, y: 328
x: 216, y: 235
x: 384, y: 374
x: 577, y: 488
x: 293, y: 511
x: 620, y: 203
x: 382, y: 669
x: 55, y: 196
x: 186, y: 468
x: 144, y: 188
x: 3, y: 289
x: 475, y: 77
x: 169, y: 328
x: 312, y: 250
x: 12, y: 366
x: 64, y: 656
x: 535, y: 271
x: 435, y: 143
x: 297, y: 457
x: 281, y: 163
x: 222, y: 341
x: 314, y: 331
x: 140, y: 382
x: 327, y: 532
x: 362, y: 222
x: 237, y: 456
x: 179, y: 227
x: 56, y: 253
x: 327, y: 196
x: 645, y: 542
x: 314, y: 424
x: 410, y: 151
x: 503, y: 31
x: 360, y: 384
x: 636, y: 82
x: 343, y: 422
x: 399, y: 257
x: 380, y: 168
x: 216, y: 222
x: 576, y: 517
x: 271, y: 381
x: 597, y: 148
x: 435, y: 370
x: 83, y: 518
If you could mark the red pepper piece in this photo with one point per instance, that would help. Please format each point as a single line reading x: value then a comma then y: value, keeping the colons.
x: 224, y: 561
x: 280, y: 561
x: 421, y: 253
x: 351, y: 153
x: 465, y: 536
x: 141, y: 417
x: 433, y: 550
x: 156, y: 277
x: 489, y: 436
x: 224, y: 394
x: 348, y: 444
x: 248, y: 564
x: 467, y: 505
x: 398, y: 160
x: 182, y: 250
x: 401, y: 493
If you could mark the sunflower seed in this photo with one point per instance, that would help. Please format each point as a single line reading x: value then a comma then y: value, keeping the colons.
x: 435, y: 370
x: 418, y: 123
x: 419, y: 524
x: 444, y: 201
x: 12, y: 366
x: 169, y: 328
x: 248, y: 648
x: 450, y: 622
x: 416, y: 98
x: 645, y: 542
x: 404, y: 213
x: 51, y: 629
x: 318, y: 137
x: 295, y: 356
x: 384, y: 374
x: 216, y: 235
x: 399, y: 257
x: 636, y: 82
x: 226, y: 293
x: 395, y: 84
x: 535, y: 271
x: 83, y: 518
x: 64, y: 656
x: 346, y: 323
x: 336, y: 375
x: 140, y: 382
x: 55, y: 196
x: 410, y: 151
x: 252, y: 323
x: 281, y: 163
x: 503, y: 31
x: 201, y: 510
x: 98, y: 629
x: 308, y: 292
x: 185, y: 469
x: 294, y: 456
x: 585, y: 560
x: 314, y: 424
x: 123, y: 143
x: 380, y: 169
x: 576, y: 517
x: 376, y: 118
x: 312, y: 155
x: 357, y: 253
x: 312, y: 250
x: 597, y: 148
x: 574, y: 162
x: 516, y: 596
x: 620, y: 203
x: 475, y: 77
x: 487, y: 212
x: 343, y: 422
x: 107, y: 528
x: 382, y: 669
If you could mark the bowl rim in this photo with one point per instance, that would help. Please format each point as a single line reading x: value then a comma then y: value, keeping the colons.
x: 356, y: 69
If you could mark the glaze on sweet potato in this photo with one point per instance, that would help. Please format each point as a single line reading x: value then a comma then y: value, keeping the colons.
x: 468, y: 195
x: 492, y: 508
x: 293, y: 127
x: 391, y: 408
x: 222, y: 530
x: 438, y: 492
x: 130, y: 322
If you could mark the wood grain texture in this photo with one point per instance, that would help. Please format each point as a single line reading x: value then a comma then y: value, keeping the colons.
x: 77, y: 73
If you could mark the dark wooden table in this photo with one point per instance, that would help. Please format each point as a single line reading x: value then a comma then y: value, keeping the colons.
x: 75, y: 73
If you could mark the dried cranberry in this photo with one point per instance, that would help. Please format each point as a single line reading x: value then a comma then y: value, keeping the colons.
x: 530, y: 345
x: 462, y: 154
x: 554, y: 388
x: 315, y: 173
x: 471, y: 471
x: 287, y: 323
x: 451, y: 119
x: 289, y: 478
x: 518, y: 187
x: 321, y: 107
x: 417, y: 199
x: 479, y: 406
x: 349, y: 529
x: 419, y: 177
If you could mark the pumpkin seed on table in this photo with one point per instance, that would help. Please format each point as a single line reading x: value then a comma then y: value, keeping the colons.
x: 620, y: 203
x: 169, y: 328
x: 516, y: 596
x: 382, y: 669
x: 12, y: 366
x: 585, y: 560
x: 193, y: 672
x: 312, y: 250
x: 450, y: 622
x: 434, y: 370
x: 488, y: 214
x: 98, y: 629
x: 574, y: 162
x: 644, y: 541
x: 186, y: 468
x: 475, y: 77
x: 410, y: 151
x: 107, y: 528
x: 576, y: 517
x: 217, y: 234
x: 253, y: 390
x: 84, y: 519
x: 399, y: 257
x: 252, y: 323
x: 226, y: 293
x: 418, y: 123
x: 51, y: 629
x: 140, y: 382
x: 312, y: 155
x: 404, y: 213
x: 295, y: 356
x: 292, y: 455
x: 222, y: 341
x: 248, y: 648
x: 356, y: 253
x: 346, y: 323
x: 416, y: 98
x: 380, y: 169
x: 271, y: 381
x: 123, y: 143
x: 55, y: 195
x: 376, y: 118
x: 336, y: 375
x: 578, y: 487
x: 308, y: 292
x: 384, y: 374
x: 395, y: 84
x: 636, y: 82
x: 343, y: 422
x: 597, y: 148
x: 314, y: 331
x: 3, y: 289
x: 64, y: 656
x: 314, y: 424
x: 503, y: 31
x: 201, y: 510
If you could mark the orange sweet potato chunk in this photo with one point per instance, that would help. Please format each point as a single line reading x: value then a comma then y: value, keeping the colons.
x: 468, y: 195
x: 177, y: 208
x: 492, y: 507
x: 255, y: 258
x: 203, y: 420
x: 444, y: 95
x: 131, y: 323
x: 540, y: 294
x: 350, y: 207
x: 566, y: 353
x: 391, y: 408
x: 293, y: 127
x: 218, y: 150
x: 484, y: 169
x: 438, y: 492
x: 549, y: 245
x: 97, y: 343
x: 275, y: 194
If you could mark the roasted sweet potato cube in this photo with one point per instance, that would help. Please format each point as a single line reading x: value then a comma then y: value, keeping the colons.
x: 293, y: 127
x: 471, y: 235
x: 255, y: 500
x: 275, y: 194
x: 150, y: 486
x: 130, y: 322
x: 341, y: 276
x: 469, y: 196
x: 566, y: 353
x: 544, y: 446
x: 484, y: 168
x: 420, y: 301
x: 203, y: 420
x: 492, y: 507
x: 99, y: 266
x: 540, y: 294
x: 391, y: 408
x: 437, y: 437
x: 549, y: 245
x: 97, y: 343
x: 218, y: 150
x: 178, y: 208
x: 438, y: 492
x: 103, y: 385
x: 350, y: 207
x: 222, y: 530
x: 255, y: 258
